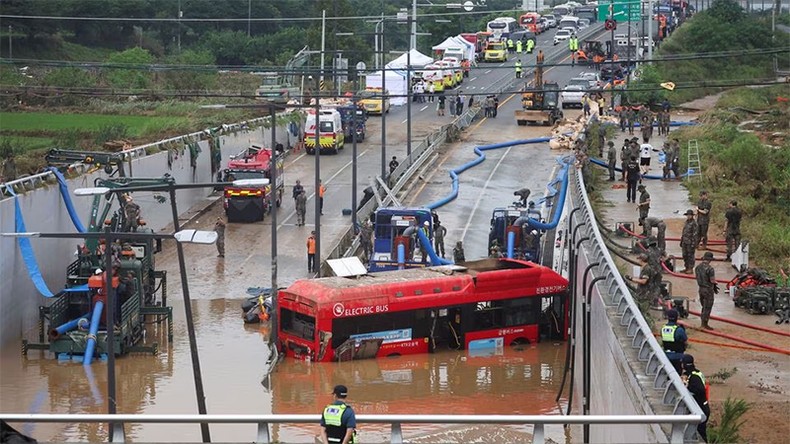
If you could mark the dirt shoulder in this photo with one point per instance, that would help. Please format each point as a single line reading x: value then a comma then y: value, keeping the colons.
x: 762, y: 377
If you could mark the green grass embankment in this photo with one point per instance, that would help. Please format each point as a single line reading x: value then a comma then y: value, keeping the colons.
x: 745, y: 153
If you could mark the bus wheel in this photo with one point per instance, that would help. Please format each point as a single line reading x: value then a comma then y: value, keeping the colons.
x: 394, y: 355
x: 519, y: 342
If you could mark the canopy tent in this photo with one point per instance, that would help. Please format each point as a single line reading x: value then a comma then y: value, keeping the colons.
x: 396, y: 85
x: 418, y: 60
x: 456, y: 45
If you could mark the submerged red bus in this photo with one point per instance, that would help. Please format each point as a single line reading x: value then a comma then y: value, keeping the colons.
x: 480, y: 304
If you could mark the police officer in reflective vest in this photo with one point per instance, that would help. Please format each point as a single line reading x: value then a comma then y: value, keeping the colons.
x: 695, y: 381
x: 338, y: 420
x: 674, y: 338
x: 518, y: 69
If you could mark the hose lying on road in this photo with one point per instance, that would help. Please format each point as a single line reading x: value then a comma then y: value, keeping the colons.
x: 641, y: 236
x: 743, y: 324
x: 738, y: 339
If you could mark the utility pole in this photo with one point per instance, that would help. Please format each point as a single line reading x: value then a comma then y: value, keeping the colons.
x: 249, y: 17
x: 650, y: 31
x: 10, y: 49
x: 180, y: 14
x: 413, y: 39
x: 323, y: 48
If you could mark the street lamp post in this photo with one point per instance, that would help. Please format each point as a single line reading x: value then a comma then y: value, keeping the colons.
x: 273, y: 205
x: 318, y: 194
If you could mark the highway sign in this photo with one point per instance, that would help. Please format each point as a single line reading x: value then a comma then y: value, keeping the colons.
x: 620, y: 10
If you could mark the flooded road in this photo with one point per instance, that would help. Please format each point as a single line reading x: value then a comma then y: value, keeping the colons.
x: 233, y: 356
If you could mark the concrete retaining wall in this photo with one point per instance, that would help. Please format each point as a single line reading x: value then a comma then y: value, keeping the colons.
x: 44, y: 211
x: 614, y: 388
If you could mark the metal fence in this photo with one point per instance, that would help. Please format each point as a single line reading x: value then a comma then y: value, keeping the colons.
x: 27, y: 183
x: 263, y: 434
x: 659, y: 381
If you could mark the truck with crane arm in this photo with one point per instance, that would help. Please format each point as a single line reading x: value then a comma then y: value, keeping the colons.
x: 539, y: 99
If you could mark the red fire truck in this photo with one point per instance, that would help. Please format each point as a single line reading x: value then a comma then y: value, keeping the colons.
x: 250, y: 203
x: 485, y: 303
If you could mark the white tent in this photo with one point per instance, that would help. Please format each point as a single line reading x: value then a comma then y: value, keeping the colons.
x: 418, y: 60
x: 396, y: 85
x: 456, y: 45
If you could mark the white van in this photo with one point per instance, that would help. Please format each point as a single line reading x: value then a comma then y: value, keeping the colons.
x: 569, y: 21
x: 330, y: 126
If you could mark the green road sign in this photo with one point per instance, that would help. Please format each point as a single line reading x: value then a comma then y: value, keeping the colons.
x: 624, y: 10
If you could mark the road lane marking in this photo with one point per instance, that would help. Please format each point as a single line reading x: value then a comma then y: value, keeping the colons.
x: 487, y: 71
x: 473, y: 79
x: 482, y: 192
x: 424, y: 108
x: 296, y: 160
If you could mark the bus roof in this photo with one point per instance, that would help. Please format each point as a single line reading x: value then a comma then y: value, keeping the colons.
x: 490, y: 275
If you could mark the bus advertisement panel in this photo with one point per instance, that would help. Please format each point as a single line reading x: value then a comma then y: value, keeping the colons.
x: 484, y: 304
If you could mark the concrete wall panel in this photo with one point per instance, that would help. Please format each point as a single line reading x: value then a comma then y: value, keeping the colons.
x: 44, y: 211
x: 614, y: 389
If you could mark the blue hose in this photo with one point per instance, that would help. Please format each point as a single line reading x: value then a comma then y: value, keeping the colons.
x: 401, y: 257
x: 90, y: 346
x: 426, y: 244
x: 511, y: 244
x: 600, y: 162
x: 481, y: 157
x: 64, y: 193
x: 26, y: 250
x: 68, y: 326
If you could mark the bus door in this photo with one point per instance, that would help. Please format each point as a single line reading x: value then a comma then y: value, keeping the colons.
x: 446, y: 329
x: 554, y: 309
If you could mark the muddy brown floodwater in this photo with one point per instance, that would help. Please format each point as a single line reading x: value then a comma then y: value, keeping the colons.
x: 508, y: 381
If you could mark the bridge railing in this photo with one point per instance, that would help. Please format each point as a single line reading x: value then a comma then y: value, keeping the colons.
x: 657, y: 377
x: 263, y: 422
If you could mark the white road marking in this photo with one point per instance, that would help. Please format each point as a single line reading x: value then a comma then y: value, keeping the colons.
x: 482, y: 192
x: 404, y: 121
x: 473, y: 79
x: 297, y: 159
x: 487, y: 71
x: 424, y: 108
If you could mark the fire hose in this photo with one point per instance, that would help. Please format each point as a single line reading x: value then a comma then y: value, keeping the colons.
x: 738, y: 339
x: 743, y: 324
x: 640, y: 236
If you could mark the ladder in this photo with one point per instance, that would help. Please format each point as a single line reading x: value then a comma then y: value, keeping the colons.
x: 694, y: 165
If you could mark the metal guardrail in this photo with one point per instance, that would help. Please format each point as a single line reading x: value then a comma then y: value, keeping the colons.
x: 657, y: 376
x: 31, y: 182
x: 263, y: 435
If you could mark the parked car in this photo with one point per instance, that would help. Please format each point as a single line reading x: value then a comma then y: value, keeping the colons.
x: 592, y: 77
x: 572, y: 95
x: 561, y: 36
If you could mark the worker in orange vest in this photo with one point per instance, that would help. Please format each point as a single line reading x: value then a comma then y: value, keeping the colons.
x: 321, y: 191
x: 311, y: 253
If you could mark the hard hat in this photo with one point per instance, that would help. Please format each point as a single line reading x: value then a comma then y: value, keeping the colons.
x: 98, y: 271
x: 426, y: 223
x: 672, y: 314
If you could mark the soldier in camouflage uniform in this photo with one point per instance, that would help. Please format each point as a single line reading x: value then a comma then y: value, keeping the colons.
x: 733, y: 230
x: 688, y: 241
x: 611, y: 157
x: 631, y: 116
x: 675, y: 165
x: 668, y: 156
x: 646, y: 280
x: 654, y: 222
x: 706, y: 280
x: 644, y: 204
x: 703, y: 218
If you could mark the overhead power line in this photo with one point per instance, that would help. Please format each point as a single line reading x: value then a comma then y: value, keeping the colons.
x: 55, y: 92
x: 158, y: 67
